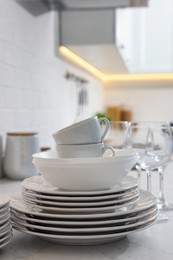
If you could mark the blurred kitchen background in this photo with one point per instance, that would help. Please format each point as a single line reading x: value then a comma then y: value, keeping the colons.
x: 64, y: 60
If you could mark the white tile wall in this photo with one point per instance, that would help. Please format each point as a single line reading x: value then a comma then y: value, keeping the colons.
x: 34, y: 95
x: 148, y: 100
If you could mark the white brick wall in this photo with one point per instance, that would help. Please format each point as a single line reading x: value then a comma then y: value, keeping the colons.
x: 34, y: 95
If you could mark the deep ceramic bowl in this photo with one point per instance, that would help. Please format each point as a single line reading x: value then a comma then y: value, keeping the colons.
x: 99, y: 174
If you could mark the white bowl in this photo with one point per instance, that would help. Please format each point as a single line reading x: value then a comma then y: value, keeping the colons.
x: 51, y: 157
x: 86, y: 176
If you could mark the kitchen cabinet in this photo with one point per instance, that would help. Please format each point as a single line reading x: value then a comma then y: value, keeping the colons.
x: 144, y: 37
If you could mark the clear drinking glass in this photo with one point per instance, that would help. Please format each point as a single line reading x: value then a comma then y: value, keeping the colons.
x: 153, y: 144
x: 117, y: 134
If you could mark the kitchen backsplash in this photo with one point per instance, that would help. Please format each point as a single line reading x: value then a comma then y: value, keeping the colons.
x: 34, y: 93
x: 148, y: 100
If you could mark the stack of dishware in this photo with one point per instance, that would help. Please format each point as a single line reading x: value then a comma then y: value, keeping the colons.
x: 83, y: 196
x: 83, y: 132
x: 80, y: 163
x: 65, y: 202
x: 82, y: 217
x: 5, y: 221
x: 83, y: 139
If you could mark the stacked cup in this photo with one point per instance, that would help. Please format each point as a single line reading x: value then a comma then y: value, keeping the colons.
x: 83, y: 139
x: 80, y: 162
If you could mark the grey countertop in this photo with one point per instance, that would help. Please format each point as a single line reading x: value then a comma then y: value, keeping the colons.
x: 153, y: 243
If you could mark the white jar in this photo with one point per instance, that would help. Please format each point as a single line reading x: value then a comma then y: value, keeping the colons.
x: 18, y: 155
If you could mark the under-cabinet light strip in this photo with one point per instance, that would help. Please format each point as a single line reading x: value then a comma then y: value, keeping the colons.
x: 142, y: 77
x: 81, y: 62
x: 112, y: 77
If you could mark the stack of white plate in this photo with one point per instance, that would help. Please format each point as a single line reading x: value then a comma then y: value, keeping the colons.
x: 82, y: 217
x: 5, y: 222
x: 39, y: 194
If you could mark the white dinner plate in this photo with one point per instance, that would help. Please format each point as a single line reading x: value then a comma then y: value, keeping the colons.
x: 6, y: 241
x: 57, y: 230
x: 4, y: 219
x: 6, y: 231
x: 78, y: 210
x: 38, y: 184
x: 87, y: 239
x: 5, y: 213
x: 4, y: 208
x: 96, y: 222
x: 6, y: 236
x: 78, y: 199
x: 4, y: 226
x: 146, y: 200
x: 80, y: 204
x: 4, y: 200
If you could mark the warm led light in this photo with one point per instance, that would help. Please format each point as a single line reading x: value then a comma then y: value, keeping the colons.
x: 81, y: 62
x: 112, y: 77
x: 142, y: 77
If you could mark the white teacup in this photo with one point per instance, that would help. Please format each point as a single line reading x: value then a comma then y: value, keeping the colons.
x: 85, y: 150
x: 88, y: 131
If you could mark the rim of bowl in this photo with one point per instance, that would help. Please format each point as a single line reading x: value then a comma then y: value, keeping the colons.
x: 79, y: 165
x: 38, y: 158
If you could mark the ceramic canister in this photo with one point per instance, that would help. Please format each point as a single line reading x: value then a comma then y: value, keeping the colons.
x: 18, y: 154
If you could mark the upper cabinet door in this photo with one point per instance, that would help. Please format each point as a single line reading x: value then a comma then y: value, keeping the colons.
x: 144, y: 37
